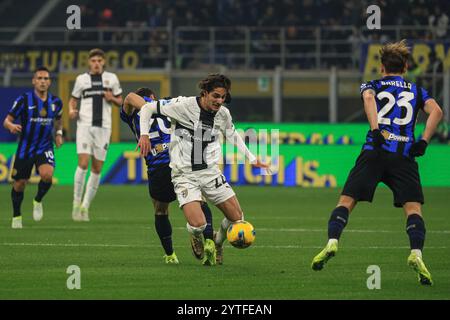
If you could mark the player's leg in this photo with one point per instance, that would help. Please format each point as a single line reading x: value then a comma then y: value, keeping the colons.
x: 404, y: 180
x: 164, y: 230
x: 17, y: 193
x: 220, y: 193
x: 46, y: 173
x: 196, y: 225
x: 415, y: 228
x: 21, y: 174
x: 92, y: 185
x: 189, y: 195
x: 360, y: 186
x: 336, y: 224
x: 84, y: 151
x: 100, y: 142
x: 209, y: 231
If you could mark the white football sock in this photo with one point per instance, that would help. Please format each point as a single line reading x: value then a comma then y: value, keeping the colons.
x: 91, y: 189
x: 418, y: 252
x: 195, y: 231
x: 222, y: 233
x: 79, y: 181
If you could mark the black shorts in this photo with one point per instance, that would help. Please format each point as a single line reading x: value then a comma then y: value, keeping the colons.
x: 160, y: 184
x: 23, y: 167
x: 399, y: 173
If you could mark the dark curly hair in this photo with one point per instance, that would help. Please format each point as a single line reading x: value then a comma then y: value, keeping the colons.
x: 214, y: 80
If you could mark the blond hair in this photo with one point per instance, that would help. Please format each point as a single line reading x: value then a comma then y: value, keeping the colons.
x: 394, y: 56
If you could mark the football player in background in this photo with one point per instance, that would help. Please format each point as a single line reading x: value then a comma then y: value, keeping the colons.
x: 98, y: 91
x: 391, y: 105
x: 39, y: 112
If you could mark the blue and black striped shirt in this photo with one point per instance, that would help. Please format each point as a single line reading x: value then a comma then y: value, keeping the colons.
x: 398, y: 103
x: 37, y: 119
x: 159, y: 137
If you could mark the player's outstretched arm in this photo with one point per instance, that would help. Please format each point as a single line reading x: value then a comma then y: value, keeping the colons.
x: 9, y: 124
x: 434, y: 117
x: 233, y: 137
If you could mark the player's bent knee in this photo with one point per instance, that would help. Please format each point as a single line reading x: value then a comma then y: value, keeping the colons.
x: 19, y: 185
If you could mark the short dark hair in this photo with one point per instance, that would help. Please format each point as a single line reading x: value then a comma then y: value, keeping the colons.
x: 41, y: 68
x: 145, y: 92
x: 395, y: 56
x: 96, y: 52
x: 215, y: 80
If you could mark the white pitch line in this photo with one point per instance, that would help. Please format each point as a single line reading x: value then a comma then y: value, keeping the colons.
x: 87, y: 227
x: 25, y: 244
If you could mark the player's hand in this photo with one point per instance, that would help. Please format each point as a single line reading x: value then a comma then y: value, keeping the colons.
x: 377, y: 138
x: 418, y: 148
x: 15, y: 128
x: 144, y: 145
x: 73, y: 114
x: 59, y: 140
x: 259, y: 164
x: 108, y: 95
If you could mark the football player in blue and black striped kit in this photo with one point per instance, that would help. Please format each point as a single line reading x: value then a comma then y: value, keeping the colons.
x: 160, y: 185
x: 391, y: 105
x: 38, y: 113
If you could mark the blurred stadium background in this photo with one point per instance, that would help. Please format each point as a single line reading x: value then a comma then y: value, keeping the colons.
x: 295, y: 66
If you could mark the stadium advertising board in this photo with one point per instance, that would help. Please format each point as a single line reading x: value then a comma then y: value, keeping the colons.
x: 309, y: 156
x: 25, y: 59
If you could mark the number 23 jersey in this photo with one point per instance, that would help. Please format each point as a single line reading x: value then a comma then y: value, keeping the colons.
x: 398, y: 103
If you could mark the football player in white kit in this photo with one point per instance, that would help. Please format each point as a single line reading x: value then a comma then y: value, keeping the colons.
x: 97, y: 90
x: 195, y: 152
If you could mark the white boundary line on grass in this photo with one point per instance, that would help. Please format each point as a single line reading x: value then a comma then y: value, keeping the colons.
x: 102, y: 245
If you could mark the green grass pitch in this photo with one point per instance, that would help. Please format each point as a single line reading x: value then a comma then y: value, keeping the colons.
x: 120, y: 257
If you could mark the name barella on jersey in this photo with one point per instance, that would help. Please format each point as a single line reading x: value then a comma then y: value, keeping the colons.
x: 37, y: 120
x: 398, y: 103
x: 159, y: 137
x: 195, y: 143
x: 94, y: 109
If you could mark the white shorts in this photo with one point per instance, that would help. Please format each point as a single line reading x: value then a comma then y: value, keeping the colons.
x: 93, y: 141
x: 190, y: 186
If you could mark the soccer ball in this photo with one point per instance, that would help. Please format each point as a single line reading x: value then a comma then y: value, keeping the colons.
x: 241, y: 234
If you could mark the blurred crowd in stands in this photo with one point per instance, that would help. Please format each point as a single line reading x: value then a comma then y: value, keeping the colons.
x: 267, y: 13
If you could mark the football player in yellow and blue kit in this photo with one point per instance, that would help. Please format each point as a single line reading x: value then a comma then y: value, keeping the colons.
x: 391, y: 105
x: 160, y: 185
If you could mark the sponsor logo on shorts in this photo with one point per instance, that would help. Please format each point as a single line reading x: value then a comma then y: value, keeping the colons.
x: 84, y: 145
x: 105, y: 146
x: 14, y: 173
x: 393, y: 137
x: 184, y: 193
x: 159, y: 148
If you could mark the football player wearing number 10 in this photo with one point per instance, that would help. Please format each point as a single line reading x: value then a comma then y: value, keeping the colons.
x: 391, y: 105
x: 38, y: 112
